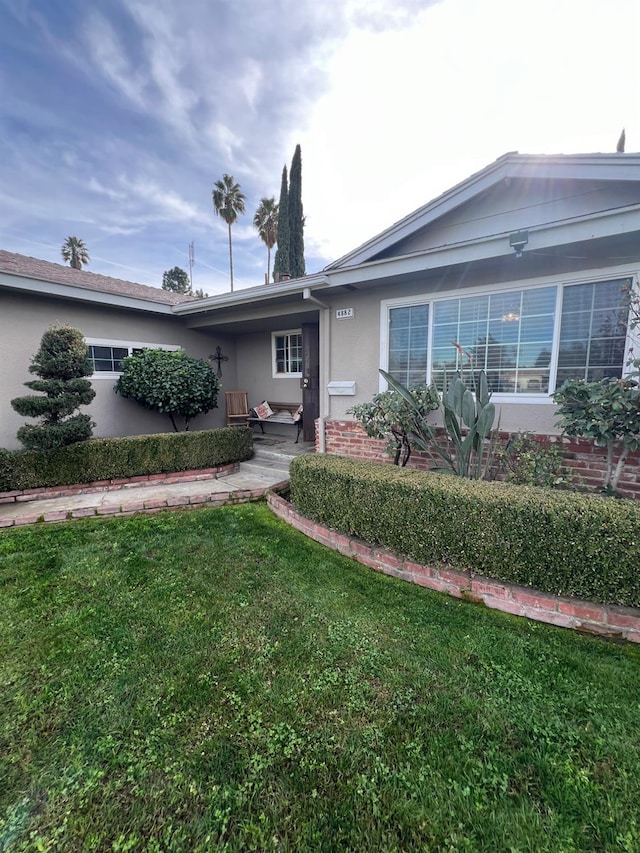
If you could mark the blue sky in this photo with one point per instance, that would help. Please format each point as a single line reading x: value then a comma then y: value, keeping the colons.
x: 116, y: 117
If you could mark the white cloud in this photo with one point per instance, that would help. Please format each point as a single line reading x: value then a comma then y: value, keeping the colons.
x: 139, y: 106
x: 95, y: 186
x: 411, y: 112
x: 107, y: 52
x: 162, y: 203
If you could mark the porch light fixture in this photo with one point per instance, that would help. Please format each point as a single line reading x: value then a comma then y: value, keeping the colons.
x: 518, y: 240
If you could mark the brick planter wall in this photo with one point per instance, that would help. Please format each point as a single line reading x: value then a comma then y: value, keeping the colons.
x: 18, y: 496
x: 604, y: 620
x: 582, y: 458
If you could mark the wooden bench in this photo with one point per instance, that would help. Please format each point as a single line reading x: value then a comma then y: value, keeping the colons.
x: 279, y: 418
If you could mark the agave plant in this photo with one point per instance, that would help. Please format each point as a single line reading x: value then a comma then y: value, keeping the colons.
x: 468, y: 421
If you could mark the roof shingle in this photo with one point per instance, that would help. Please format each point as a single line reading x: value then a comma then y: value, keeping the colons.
x: 22, y: 265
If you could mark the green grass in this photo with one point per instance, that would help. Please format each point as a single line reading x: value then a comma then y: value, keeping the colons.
x: 211, y: 680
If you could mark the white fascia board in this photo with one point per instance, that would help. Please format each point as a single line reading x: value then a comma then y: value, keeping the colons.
x: 49, y: 288
x: 588, y: 167
x: 541, y: 237
x: 251, y: 295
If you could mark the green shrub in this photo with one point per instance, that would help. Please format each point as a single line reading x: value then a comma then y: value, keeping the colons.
x: 172, y: 383
x: 110, y: 458
x: 531, y: 461
x: 608, y: 413
x: 564, y: 543
x: 389, y: 413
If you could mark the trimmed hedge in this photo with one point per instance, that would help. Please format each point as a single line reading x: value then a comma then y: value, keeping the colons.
x: 564, y: 543
x: 111, y: 458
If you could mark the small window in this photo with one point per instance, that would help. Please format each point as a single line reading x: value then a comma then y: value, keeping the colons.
x: 107, y: 359
x: 106, y: 356
x: 287, y: 353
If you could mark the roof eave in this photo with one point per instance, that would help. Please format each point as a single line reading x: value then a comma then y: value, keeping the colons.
x: 253, y: 294
x: 26, y: 284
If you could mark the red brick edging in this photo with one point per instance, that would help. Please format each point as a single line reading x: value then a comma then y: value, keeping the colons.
x: 605, y: 620
x: 44, y: 493
x: 122, y: 507
x: 209, y: 499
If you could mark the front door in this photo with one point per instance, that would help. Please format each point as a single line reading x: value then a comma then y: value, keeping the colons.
x: 310, y: 379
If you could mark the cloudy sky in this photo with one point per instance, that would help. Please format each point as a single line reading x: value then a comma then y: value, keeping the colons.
x: 117, y: 116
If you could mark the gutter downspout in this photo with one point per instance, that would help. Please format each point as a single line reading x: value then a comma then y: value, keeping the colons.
x: 325, y: 341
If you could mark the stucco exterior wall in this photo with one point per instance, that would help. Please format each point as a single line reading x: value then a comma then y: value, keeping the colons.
x: 255, y: 371
x: 355, y: 349
x: 24, y: 319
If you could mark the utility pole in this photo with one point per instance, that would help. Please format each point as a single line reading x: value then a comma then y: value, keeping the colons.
x: 191, y: 263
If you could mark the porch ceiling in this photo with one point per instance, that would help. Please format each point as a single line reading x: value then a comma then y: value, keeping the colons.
x: 255, y: 318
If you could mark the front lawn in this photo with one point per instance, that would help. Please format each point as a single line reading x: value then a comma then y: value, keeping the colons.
x: 211, y: 680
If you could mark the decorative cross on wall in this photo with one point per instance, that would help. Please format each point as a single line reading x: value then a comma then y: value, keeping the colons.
x: 219, y: 358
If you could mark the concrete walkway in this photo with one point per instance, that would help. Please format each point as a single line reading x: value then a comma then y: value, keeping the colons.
x: 269, y: 467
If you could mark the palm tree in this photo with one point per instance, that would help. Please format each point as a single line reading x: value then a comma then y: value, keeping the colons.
x: 266, y: 222
x: 228, y: 202
x: 74, y: 252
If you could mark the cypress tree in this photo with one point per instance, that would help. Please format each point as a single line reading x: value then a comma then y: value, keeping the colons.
x: 281, y: 265
x: 296, y: 216
x: 62, y: 363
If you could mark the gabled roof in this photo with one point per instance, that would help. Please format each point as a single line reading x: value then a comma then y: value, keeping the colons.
x: 602, y: 167
x: 45, y: 271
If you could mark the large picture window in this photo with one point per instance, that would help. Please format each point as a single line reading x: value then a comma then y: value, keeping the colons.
x: 287, y: 353
x: 528, y: 340
x: 509, y: 335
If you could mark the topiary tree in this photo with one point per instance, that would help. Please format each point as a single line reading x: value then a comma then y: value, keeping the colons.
x: 62, y: 362
x: 389, y: 414
x: 172, y: 383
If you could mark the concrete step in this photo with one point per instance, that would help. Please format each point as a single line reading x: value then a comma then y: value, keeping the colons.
x: 258, y: 478
x: 269, y: 454
x: 263, y: 467
x: 268, y: 463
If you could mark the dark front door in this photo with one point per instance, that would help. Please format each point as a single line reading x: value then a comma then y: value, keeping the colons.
x: 310, y: 379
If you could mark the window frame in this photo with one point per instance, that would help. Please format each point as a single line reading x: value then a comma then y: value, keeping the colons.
x: 131, y: 346
x: 540, y: 398
x: 274, y: 364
